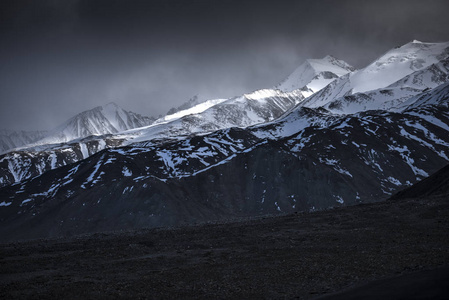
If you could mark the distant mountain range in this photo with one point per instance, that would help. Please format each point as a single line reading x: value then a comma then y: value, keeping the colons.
x: 86, y: 133
x: 327, y: 136
x: 73, y: 140
x: 98, y: 121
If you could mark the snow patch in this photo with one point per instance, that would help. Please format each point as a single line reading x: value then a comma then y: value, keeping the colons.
x: 127, y: 172
x: 339, y: 199
x: 394, y: 181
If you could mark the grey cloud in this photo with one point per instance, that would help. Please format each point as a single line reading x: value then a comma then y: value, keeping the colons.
x: 61, y: 57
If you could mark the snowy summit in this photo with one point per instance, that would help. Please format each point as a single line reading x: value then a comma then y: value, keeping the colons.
x: 315, y: 74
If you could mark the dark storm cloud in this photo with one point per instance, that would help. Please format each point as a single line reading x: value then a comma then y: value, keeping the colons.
x: 61, y: 57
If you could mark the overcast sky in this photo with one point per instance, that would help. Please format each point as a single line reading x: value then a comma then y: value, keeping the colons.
x: 58, y: 58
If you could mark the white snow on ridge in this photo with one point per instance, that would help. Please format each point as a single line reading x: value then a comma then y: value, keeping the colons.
x: 384, y: 99
x: 390, y: 68
x: 84, y: 150
x: 249, y: 109
x: 199, y: 108
x: 92, y: 175
x: 260, y: 95
x: 396, y: 64
x: 107, y: 119
x: 307, y: 76
x: 330, y: 64
x: 405, y: 154
x: 436, y: 96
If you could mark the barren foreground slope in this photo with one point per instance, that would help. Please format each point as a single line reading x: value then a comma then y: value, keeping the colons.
x: 302, y: 256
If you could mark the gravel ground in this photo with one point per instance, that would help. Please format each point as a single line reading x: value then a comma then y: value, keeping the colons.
x: 299, y: 256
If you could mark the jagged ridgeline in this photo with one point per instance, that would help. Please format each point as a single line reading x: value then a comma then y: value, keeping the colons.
x: 327, y: 136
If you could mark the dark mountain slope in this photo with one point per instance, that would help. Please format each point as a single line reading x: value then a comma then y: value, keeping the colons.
x: 435, y: 185
x: 230, y: 173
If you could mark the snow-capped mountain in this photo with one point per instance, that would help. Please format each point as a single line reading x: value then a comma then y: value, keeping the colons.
x: 264, y: 152
x: 196, y: 116
x: 76, y: 139
x: 306, y: 160
x: 249, y: 109
x: 195, y: 100
x: 100, y: 120
x: 438, y: 96
x: 188, y: 109
x: 426, y: 78
x: 10, y: 139
x: 18, y: 165
x: 395, y: 95
x: 402, y: 63
x: 398, y: 63
x: 315, y: 74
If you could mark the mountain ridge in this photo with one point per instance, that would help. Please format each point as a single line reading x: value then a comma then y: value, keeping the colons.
x: 265, y: 152
x: 391, y: 67
x: 314, y: 74
x: 106, y: 119
x: 168, y: 183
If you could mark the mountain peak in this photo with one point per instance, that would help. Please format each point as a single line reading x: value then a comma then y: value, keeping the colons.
x: 327, y: 58
x: 330, y: 64
x: 416, y: 45
x: 307, y: 76
x: 195, y: 100
x: 106, y: 119
x: 111, y: 109
x: 398, y: 63
x: 111, y: 104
